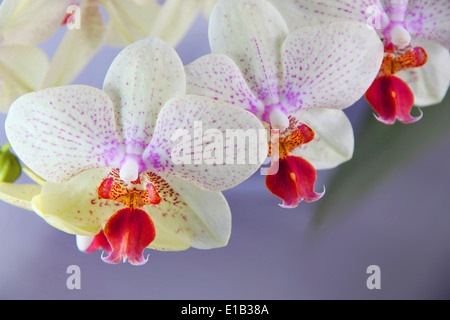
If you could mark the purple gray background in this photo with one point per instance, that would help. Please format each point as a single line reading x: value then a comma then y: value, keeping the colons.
x: 403, y: 226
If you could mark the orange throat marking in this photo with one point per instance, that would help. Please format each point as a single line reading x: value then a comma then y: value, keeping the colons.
x: 285, y: 143
x: 392, y: 64
x: 131, y: 197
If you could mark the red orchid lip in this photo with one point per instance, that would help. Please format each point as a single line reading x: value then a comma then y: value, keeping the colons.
x: 293, y: 182
x: 99, y: 242
x: 129, y: 231
x: 392, y: 99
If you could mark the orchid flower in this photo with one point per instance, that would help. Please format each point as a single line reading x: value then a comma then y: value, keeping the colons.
x: 297, y: 82
x: 416, y: 36
x: 107, y: 157
x: 25, y: 68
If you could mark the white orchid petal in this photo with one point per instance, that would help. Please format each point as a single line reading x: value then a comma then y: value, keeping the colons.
x: 208, y: 155
x: 302, y: 13
x: 329, y: 66
x: 333, y: 143
x: 74, y: 206
x: 77, y: 47
x: 59, y: 132
x: 84, y: 242
x: 251, y: 33
x: 19, y: 195
x: 32, y: 22
x: 130, y: 21
x: 429, y: 20
x: 142, y: 78
x: 218, y: 77
x: 430, y: 82
x: 22, y: 69
x: 189, y: 215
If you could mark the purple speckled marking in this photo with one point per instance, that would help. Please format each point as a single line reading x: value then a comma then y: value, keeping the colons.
x: 142, y: 78
x: 310, y: 12
x: 59, y: 140
x: 329, y: 67
x: 221, y: 79
x: 257, y: 54
x: 426, y: 19
x: 313, y: 80
x: 185, y: 113
x: 429, y: 20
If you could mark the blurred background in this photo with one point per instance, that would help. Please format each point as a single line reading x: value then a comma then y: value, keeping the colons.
x: 389, y: 207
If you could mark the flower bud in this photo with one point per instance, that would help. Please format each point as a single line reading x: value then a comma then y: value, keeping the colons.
x: 10, y: 168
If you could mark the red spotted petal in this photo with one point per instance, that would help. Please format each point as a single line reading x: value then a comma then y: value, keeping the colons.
x: 414, y: 58
x: 391, y: 98
x: 110, y: 190
x: 392, y: 64
x: 99, y: 243
x: 305, y: 133
x: 293, y: 181
x: 129, y: 231
x: 152, y: 196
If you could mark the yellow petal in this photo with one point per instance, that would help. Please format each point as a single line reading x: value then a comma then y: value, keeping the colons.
x: 165, y: 241
x: 74, y: 206
x: 19, y: 195
x: 187, y: 215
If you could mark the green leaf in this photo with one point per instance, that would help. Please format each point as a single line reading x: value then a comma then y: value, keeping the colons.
x: 380, y: 150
